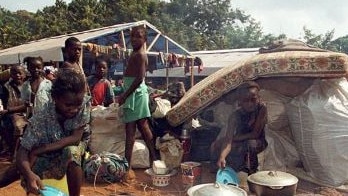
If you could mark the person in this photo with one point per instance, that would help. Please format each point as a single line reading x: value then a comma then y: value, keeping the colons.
x: 101, y: 90
x: 118, y: 87
x: 13, y: 115
x: 245, y: 136
x: 56, y: 137
x: 72, y: 54
x: 135, y: 99
x: 36, y: 90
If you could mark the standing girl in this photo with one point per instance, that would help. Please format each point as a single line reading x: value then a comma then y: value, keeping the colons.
x: 135, y: 99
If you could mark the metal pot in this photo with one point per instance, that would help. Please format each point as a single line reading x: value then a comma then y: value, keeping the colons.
x: 272, y: 183
x: 211, y: 189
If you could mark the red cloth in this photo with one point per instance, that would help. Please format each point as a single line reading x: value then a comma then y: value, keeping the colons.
x: 98, y: 92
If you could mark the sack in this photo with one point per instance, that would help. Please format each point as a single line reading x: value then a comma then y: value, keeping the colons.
x: 162, y: 107
x: 105, y: 167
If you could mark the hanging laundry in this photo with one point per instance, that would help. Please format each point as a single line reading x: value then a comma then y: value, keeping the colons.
x: 161, y: 58
x: 169, y: 60
x: 175, y: 61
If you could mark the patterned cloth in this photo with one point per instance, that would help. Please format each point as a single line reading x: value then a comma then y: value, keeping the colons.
x: 137, y: 104
x: 102, y: 92
x: 105, y: 167
x: 42, y: 96
x: 44, y: 128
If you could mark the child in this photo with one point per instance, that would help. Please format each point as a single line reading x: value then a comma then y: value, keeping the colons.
x: 135, y: 99
x: 245, y: 135
x: 36, y: 90
x: 102, y: 92
x: 57, y: 136
x: 13, y: 115
x: 72, y: 54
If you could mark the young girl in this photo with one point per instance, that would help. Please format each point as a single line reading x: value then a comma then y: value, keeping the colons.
x: 57, y: 136
x: 100, y: 86
x: 135, y: 99
x: 36, y: 90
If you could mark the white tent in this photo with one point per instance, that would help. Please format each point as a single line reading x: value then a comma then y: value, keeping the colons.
x: 51, y: 48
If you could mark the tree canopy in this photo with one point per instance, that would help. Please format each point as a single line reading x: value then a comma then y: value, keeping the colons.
x: 197, y: 25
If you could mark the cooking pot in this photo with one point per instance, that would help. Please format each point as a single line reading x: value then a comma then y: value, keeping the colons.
x: 215, y: 189
x: 272, y: 183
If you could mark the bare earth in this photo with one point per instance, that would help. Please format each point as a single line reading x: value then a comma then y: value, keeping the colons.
x: 143, y: 187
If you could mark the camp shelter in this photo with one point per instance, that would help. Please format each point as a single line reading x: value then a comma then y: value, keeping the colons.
x: 50, y: 49
x: 306, y: 93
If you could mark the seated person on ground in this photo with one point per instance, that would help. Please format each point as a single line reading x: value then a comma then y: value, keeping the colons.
x: 245, y: 136
x: 56, y: 137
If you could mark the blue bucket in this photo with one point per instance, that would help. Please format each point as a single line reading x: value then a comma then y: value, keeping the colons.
x: 51, y: 191
x: 227, y: 176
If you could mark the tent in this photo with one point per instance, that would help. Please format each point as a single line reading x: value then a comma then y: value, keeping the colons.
x: 51, y: 48
x: 306, y: 93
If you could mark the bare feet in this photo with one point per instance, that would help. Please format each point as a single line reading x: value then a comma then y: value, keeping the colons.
x: 130, y: 176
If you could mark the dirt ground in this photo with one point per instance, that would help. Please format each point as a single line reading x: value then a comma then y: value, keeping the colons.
x: 143, y: 186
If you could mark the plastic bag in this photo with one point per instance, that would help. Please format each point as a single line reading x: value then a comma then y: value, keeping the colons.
x: 162, y: 107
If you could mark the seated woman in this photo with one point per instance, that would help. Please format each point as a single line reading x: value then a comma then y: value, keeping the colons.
x: 57, y: 136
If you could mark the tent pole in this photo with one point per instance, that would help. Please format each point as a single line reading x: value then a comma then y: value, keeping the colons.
x: 192, y: 76
x: 166, y: 64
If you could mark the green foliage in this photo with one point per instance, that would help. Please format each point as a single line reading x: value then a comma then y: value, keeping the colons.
x: 195, y: 24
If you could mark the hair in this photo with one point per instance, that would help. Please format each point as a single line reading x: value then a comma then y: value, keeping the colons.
x: 142, y: 29
x: 244, y: 88
x: 29, y: 60
x: 100, y: 59
x: 14, y: 68
x: 68, y: 81
x: 71, y: 41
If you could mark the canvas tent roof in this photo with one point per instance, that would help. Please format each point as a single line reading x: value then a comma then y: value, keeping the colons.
x: 50, y: 48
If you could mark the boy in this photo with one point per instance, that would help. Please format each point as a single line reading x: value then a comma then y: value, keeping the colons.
x: 100, y: 86
x: 245, y: 136
x: 135, y: 99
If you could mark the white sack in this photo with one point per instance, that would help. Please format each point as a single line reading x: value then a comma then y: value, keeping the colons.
x: 319, y: 121
x: 109, y: 134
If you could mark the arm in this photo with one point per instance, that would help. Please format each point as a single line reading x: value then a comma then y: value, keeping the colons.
x: 227, y: 141
x: 260, y: 122
x: 23, y: 164
x: 73, y: 139
x: 109, y: 97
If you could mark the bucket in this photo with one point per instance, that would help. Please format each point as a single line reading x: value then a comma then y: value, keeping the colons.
x: 60, y: 185
x: 51, y: 191
x: 191, y: 172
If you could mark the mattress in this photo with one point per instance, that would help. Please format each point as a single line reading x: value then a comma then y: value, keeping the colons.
x: 276, y: 64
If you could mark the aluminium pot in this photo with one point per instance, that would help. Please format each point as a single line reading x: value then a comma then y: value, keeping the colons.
x: 215, y: 189
x: 272, y: 183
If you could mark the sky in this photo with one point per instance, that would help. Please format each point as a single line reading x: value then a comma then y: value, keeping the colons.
x: 276, y: 16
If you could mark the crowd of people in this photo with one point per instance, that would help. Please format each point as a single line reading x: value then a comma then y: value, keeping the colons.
x: 47, y: 115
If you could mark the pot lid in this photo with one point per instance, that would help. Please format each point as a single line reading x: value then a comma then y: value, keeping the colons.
x: 216, y: 189
x: 273, y: 178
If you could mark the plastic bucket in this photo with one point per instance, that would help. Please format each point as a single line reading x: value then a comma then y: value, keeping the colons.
x: 51, y: 191
x: 59, y: 185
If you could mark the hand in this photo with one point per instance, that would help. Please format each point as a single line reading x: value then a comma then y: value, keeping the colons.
x: 121, y: 99
x: 34, y: 183
x: 221, y: 163
x: 3, y: 112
